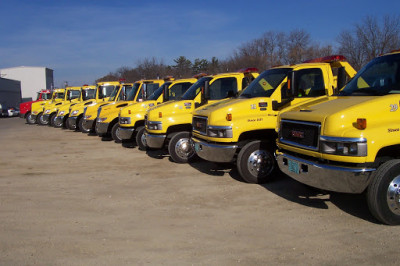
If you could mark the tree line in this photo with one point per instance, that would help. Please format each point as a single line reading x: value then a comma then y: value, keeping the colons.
x: 359, y: 44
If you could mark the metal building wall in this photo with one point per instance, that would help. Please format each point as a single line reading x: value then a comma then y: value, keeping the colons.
x: 10, y: 93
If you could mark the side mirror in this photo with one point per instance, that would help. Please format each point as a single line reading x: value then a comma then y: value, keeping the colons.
x: 341, y: 79
x: 166, y: 94
x: 205, y: 95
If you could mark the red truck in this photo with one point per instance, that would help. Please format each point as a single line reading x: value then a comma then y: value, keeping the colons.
x: 25, y: 107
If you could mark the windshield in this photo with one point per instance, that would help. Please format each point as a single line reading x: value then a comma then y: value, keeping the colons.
x: 46, y: 96
x: 132, y: 93
x: 177, y: 90
x: 195, y: 89
x: 124, y: 92
x: 154, y: 96
x: 108, y: 91
x: 266, y: 83
x: 146, y: 90
x: 74, y: 94
x: 379, y: 77
x: 113, y: 94
x: 59, y: 95
x: 88, y: 94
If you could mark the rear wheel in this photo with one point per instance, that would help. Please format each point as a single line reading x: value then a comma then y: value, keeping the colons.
x: 29, y: 119
x: 180, y: 148
x: 256, y: 162
x: 141, y: 139
x: 383, y: 194
x: 115, y: 133
x: 41, y: 120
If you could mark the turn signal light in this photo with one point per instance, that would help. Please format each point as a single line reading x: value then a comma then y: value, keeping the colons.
x: 129, y: 111
x: 160, y: 115
x: 361, y: 123
x: 228, y: 117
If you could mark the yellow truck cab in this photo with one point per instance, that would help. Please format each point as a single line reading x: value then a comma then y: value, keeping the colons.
x: 131, y: 118
x: 103, y: 91
x: 91, y: 111
x: 107, y: 118
x: 38, y: 107
x: 170, y: 125
x: 72, y: 95
x: 350, y: 142
x: 87, y: 93
x: 242, y: 130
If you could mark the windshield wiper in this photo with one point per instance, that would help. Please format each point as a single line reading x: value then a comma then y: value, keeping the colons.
x: 245, y: 95
x: 367, y: 91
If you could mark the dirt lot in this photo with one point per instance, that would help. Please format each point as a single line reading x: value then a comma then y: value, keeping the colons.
x: 67, y: 198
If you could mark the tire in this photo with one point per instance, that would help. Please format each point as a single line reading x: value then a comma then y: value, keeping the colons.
x: 81, y: 128
x: 52, y: 119
x: 256, y: 162
x: 29, y: 119
x: 41, y: 121
x: 115, y: 133
x: 383, y: 193
x: 140, y: 139
x: 180, y: 148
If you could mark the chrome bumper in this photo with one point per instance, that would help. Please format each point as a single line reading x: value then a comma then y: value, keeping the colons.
x: 87, y: 124
x: 126, y: 133
x: 327, y: 177
x: 71, y: 122
x: 155, y: 141
x: 101, y: 128
x: 214, y: 152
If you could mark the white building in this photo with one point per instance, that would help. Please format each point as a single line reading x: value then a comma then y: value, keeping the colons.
x: 33, y: 79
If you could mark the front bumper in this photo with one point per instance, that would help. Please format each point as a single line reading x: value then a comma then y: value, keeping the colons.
x: 214, y: 152
x: 155, y: 141
x: 101, y: 128
x: 71, y: 122
x: 88, y: 124
x: 126, y: 133
x: 323, y: 176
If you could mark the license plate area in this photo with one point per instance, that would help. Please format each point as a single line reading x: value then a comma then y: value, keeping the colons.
x: 293, y: 166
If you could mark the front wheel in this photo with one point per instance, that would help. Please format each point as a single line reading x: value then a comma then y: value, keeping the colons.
x: 82, y: 128
x: 30, y: 120
x: 41, y: 120
x: 115, y: 133
x: 52, y: 120
x: 141, y: 138
x: 256, y: 162
x: 383, y: 194
x: 180, y: 148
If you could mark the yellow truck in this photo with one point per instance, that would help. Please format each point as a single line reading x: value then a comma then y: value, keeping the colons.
x: 91, y: 111
x: 131, y: 118
x: 38, y: 107
x: 242, y: 130
x: 350, y: 142
x: 107, y: 117
x: 87, y: 93
x: 102, y: 94
x: 170, y: 124
x: 72, y: 95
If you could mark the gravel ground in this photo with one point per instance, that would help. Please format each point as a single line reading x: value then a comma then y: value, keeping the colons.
x: 67, y: 198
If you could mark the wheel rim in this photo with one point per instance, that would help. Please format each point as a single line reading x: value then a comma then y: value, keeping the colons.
x: 42, y: 121
x: 31, y: 120
x: 260, y: 163
x: 393, y: 195
x: 184, y: 148
x: 143, y: 140
x: 117, y: 133
x: 57, y: 124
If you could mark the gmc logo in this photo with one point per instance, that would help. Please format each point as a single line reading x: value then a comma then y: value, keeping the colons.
x: 297, y: 134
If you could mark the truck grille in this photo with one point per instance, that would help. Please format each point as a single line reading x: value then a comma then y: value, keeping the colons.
x: 200, y: 124
x: 300, y: 134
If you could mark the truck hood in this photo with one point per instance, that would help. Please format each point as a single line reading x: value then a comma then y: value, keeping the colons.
x: 137, y: 107
x: 171, y: 108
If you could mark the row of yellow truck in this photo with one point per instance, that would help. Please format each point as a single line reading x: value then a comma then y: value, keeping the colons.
x: 319, y: 122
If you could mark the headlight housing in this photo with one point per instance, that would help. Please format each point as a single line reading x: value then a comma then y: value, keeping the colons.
x: 124, y: 120
x: 75, y: 112
x: 47, y: 111
x: 219, y: 131
x: 154, y: 125
x: 343, y: 146
x: 61, y: 113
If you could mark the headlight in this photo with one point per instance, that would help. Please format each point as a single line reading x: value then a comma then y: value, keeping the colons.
x: 124, y: 120
x: 47, y: 111
x: 343, y: 146
x: 101, y: 119
x: 219, y: 131
x: 61, y: 113
x: 75, y: 112
x: 154, y: 125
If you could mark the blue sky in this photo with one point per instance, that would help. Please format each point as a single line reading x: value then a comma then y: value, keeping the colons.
x: 85, y: 40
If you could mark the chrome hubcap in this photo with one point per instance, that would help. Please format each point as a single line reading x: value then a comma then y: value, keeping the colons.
x: 143, y: 139
x: 260, y: 163
x: 44, y: 122
x: 393, y: 195
x: 184, y: 148
x: 117, y: 133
